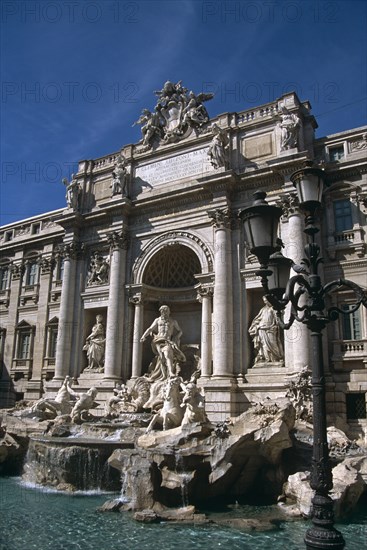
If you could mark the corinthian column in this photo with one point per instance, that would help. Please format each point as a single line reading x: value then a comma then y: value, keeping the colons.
x: 116, y: 305
x: 296, y: 339
x: 66, y: 318
x: 205, y: 294
x: 138, y: 302
x: 223, y: 301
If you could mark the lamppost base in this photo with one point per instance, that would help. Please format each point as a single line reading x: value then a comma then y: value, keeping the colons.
x: 318, y: 538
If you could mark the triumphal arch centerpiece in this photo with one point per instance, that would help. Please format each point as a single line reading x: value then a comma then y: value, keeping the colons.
x: 146, y: 272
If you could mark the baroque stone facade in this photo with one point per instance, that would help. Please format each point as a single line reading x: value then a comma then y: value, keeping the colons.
x: 161, y: 227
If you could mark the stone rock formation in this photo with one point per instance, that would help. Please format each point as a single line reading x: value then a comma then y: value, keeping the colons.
x: 178, y: 466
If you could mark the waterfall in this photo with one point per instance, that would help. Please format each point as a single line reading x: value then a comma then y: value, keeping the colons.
x: 70, y: 465
x: 185, y: 478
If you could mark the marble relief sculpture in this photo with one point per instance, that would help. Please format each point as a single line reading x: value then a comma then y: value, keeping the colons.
x: 176, y: 114
x: 265, y: 333
x: 289, y: 126
x: 99, y: 270
x: 166, y: 335
x: 218, y: 148
x: 72, y: 193
x: 119, y: 176
x: 95, y: 346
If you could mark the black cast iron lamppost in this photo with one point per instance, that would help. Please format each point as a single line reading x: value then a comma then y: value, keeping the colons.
x: 306, y: 295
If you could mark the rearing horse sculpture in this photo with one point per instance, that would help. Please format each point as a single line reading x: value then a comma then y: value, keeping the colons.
x: 171, y: 414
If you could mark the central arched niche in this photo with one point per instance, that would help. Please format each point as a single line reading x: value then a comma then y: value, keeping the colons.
x: 169, y: 278
x: 174, y: 266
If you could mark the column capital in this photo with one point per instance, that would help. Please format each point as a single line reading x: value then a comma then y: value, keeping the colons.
x: 118, y: 239
x: 72, y: 250
x: 17, y: 270
x: 204, y: 292
x: 289, y: 203
x: 46, y: 264
x: 137, y: 299
x: 223, y: 218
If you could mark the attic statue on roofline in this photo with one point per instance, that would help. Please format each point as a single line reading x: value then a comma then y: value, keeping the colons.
x: 177, y: 113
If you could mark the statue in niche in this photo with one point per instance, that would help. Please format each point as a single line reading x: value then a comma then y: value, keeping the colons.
x: 119, y: 181
x: 95, y: 346
x: 265, y: 333
x: 99, y: 270
x: 166, y: 336
x: 218, y: 148
x: 289, y: 126
x: 72, y: 193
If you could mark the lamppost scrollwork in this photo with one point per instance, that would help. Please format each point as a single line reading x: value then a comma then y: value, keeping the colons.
x: 306, y: 294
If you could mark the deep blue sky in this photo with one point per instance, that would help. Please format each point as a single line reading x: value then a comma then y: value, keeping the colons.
x: 76, y: 74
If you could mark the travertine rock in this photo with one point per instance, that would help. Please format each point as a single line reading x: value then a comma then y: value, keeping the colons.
x: 348, y: 486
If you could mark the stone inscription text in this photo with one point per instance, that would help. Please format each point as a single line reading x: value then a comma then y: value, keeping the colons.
x: 181, y: 166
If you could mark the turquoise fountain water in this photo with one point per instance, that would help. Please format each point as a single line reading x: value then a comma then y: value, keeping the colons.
x: 43, y: 520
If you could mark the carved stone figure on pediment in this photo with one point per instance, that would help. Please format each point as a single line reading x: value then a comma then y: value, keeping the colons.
x: 119, y: 176
x: 151, y: 127
x: 166, y: 335
x: 195, y: 114
x: 176, y: 113
x: 218, y: 148
x: 72, y: 193
x: 289, y: 127
x: 99, y: 270
x: 95, y: 345
x: 265, y: 333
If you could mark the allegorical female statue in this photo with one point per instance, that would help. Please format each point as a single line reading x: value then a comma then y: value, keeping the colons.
x: 265, y: 334
x: 95, y: 346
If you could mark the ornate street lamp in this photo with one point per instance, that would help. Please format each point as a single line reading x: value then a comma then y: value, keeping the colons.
x: 261, y: 222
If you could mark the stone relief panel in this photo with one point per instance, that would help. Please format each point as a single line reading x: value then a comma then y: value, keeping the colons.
x: 256, y: 147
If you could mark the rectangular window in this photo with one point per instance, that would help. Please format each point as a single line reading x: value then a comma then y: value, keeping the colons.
x: 343, y: 215
x: 356, y: 406
x: 24, y: 345
x: 52, y: 343
x: 60, y: 273
x: 8, y: 236
x: 336, y: 153
x: 36, y: 228
x: 351, y: 324
x: 32, y: 274
x: 4, y: 277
